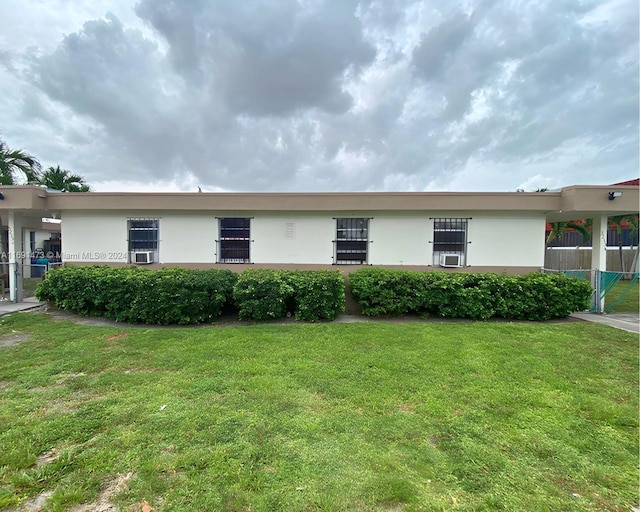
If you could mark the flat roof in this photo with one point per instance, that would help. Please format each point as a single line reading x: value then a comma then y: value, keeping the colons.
x: 577, y: 201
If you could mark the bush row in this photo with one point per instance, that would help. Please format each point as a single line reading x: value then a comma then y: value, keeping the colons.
x: 535, y: 296
x: 311, y: 295
x: 181, y: 296
x: 136, y: 295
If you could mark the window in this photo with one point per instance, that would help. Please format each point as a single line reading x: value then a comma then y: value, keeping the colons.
x: 352, y: 240
x: 143, y: 237
x: 234, y: 240
x: 450, y: 237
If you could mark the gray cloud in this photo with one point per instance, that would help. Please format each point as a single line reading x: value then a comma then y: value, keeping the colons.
x: 319, y: 95
x: 269, y: 60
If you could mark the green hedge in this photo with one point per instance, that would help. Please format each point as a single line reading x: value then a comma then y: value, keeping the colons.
x: 181, y: 296
x: 262, y: 294
x: 535, y: 296
x: 311, y: 295
x: 137, y: 295
x: 318, y: 294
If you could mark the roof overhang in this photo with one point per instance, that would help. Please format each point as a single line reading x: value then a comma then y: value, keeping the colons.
x: 583, y: 202
x: 570, y: 203
x: 25, y: 197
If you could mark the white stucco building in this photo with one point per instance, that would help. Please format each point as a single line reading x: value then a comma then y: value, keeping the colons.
x: 477, y: 232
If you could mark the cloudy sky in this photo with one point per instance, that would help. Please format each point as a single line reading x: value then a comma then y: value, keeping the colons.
x: 323, y: 95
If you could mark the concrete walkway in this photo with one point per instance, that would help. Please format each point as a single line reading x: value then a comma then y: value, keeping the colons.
x: 625, y: 321
x: 7, y: 307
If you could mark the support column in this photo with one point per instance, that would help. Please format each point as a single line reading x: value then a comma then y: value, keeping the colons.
x: 13, y: 281
x: 599, y: 256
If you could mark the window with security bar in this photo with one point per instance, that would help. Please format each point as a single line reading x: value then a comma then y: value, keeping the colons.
x: 234, y: 240
x: 143, y: 237
x: 450, y: 241
x: 352, y: 241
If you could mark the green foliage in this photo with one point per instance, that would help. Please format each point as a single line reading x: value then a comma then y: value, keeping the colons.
x: 262, y: 294
x: 62, y: 179
x: 17, y: 166
x: 460, y: 295
x: 167, y: 296
x: 266, y: 294
x: 318, y: 294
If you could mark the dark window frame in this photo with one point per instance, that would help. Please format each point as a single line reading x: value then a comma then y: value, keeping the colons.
x: 234, y: 240
x: 450, y: 236
x: 351, y: 246
x: 137, y: 242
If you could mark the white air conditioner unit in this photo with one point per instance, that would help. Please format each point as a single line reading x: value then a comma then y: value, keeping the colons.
x: 449, y: 260
x: 143, y: 257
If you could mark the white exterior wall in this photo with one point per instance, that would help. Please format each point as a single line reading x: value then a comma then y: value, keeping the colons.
x: 506, y: 240
x: 297, y: 238
x: 400, y: 240
x: 187, y: 238
x: 97, y: 238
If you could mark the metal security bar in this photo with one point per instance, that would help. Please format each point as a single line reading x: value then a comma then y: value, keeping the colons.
x: 352, y: 240
x: 450, y: 237
x: 143, y: 234
x: 234, y: 240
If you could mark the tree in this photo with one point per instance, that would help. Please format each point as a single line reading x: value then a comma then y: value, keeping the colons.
x: 558, y: 229
x: 17, y: 165
x: 61, y: 179
x: 616, y: 223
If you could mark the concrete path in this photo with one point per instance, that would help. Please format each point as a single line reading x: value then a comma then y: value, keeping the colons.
x: 7, y: 307
x: 625, y: 321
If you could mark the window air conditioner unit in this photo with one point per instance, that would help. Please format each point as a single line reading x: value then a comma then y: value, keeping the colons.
x: 143, y: 257
x: 449, y: 260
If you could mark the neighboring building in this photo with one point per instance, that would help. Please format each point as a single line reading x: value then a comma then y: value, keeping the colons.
x: 500, y: 232
x: 629, y: 183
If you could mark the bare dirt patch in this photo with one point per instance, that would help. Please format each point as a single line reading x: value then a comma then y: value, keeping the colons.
x: 70, y: 376
x: 116, y: 337
x: 103, y: 503
x: 8, y: 341
x: 35, y: 504
x: 63, y: 406
x: 405, y: 407
x: 47, y: 457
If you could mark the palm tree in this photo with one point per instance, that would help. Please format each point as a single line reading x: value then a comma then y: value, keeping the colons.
x: 17, y: 165
x: 61, y: 179
x: 616, y: 222
x: 558, y: 229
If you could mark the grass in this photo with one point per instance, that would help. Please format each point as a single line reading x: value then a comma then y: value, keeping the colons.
x: 368, y: 416
x: 29, y: 285
x: 628, y: 296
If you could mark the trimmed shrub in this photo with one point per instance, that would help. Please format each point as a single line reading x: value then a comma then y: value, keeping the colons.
x: 318, y: 294
x: 535, y: 296
x: 384, y: 292
x: 311, y: 295
x: 263, y: 294
x: 166, y: 296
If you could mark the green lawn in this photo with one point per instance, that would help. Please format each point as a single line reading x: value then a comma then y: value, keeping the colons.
x: 623, y: 298
x: 29, y: 286
x: 367, y: 416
